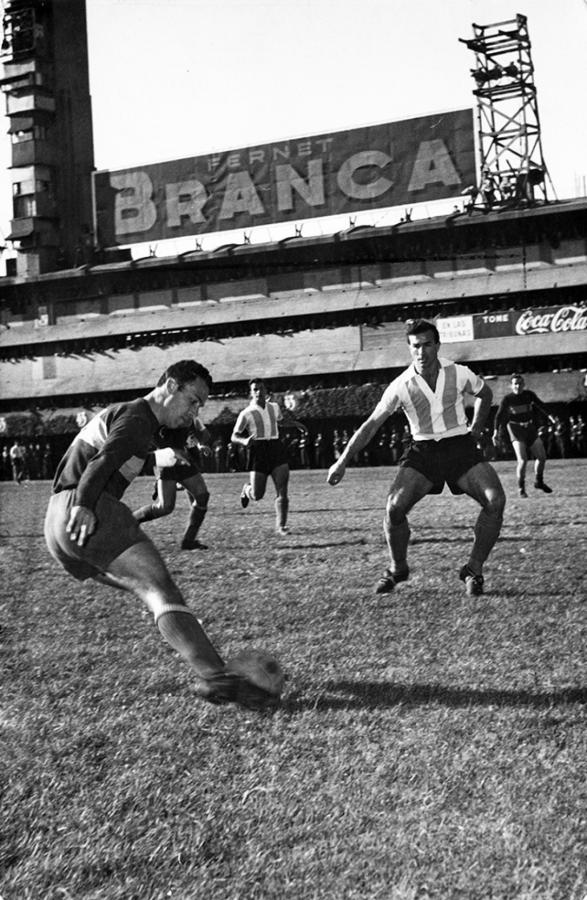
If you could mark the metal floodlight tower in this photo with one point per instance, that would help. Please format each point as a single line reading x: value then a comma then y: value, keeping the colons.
x: 512, y: 167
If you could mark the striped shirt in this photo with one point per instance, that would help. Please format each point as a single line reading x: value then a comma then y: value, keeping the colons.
x: 433, y: 415
x: 108, y: 453
x: 258, y: 422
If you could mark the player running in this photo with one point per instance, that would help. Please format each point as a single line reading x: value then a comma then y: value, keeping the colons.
x: 444, y: 450
x: 177, y: 462
x: 518, y: 411
x: 257, y: 429
x: 94, y: 535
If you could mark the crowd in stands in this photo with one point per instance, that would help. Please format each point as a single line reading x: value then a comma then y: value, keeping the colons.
x: 31, y: 460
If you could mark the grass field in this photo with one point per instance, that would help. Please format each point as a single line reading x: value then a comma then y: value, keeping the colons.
x: 430, y: 745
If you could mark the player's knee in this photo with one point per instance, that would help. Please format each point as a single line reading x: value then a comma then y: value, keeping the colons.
x: 201, y: 500
x: 394, y: 513
x: 163, y: 509
x: 495, y: 504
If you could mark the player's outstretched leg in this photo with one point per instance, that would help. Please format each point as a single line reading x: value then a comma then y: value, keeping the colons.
x: 141, y: 570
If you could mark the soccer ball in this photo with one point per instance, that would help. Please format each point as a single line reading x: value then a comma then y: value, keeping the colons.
x: 259, y: 668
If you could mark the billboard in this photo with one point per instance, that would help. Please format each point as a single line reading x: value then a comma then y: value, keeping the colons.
x: 422, y: 159
x: 509, y: 323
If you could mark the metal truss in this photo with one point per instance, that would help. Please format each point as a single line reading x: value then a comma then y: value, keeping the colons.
x: 512, y: 167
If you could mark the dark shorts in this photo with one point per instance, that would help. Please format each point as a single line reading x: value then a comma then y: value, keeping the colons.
x: 177, y: 473
x: 265, y: 456
x: 116, y: 531
x: 525, y: 434
x: 443, y: 462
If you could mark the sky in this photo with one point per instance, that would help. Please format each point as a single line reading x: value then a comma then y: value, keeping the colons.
x: 177, y: 78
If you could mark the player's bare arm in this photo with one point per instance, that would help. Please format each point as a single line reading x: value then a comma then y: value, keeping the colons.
x: 481, y: 409
x: 239, y: 436
x: 359, y: 440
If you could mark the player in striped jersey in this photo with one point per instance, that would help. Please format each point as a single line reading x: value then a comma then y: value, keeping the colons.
x: 94, y: 535
x: 431, y: 392
x: 257, y: 429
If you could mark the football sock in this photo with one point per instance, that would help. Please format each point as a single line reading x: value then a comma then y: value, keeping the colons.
x: 487, y: 529
x: 398, y: 538
x: 281, y: 510
x: 197, y: 516
x: 182, y: 631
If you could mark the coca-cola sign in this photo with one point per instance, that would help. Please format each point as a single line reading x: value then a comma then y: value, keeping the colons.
x: 555, y: 321
x: 541, y: 320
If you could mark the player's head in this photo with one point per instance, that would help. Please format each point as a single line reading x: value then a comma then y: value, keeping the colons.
x: 418, y: 326
x: 181, y: 391
x: 424, y: 343
x: 257, y: 390
x: 184, y: 371
x: 517, y: 382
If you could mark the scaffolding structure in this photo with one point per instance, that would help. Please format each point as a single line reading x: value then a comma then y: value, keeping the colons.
x: 512, y: 167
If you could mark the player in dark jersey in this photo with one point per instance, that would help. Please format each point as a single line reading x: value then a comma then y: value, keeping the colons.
x: 93, y: 535
x: 187, y: 443
x: 518, y: 411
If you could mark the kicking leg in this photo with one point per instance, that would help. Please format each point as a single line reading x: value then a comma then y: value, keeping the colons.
x: 141, y: 570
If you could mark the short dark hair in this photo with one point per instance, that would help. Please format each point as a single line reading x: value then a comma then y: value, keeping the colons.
x: 516, y: 375
x: 252, y: 381
x: 417, y: 326
x: 184, y: 371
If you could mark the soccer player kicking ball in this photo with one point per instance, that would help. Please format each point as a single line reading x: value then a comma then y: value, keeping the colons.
x: 94, y: 535
x: 444, y: 450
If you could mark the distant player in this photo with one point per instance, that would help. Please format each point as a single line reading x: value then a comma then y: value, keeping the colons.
x: 94, y: 535
x: 187, y: 443
x: 257, y: 429
x: 431, y: 392
x: 518, y: 412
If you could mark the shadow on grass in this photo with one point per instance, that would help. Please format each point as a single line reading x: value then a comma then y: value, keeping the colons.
x: 332, y: 509
x: 381, y: 695
x: 316, y: 545
x: 504, y: 539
